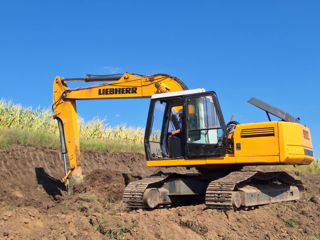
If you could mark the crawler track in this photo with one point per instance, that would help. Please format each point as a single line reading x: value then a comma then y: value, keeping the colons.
x: 219, y: 192
x: 244, y: 188
x: 251, y: 188
x: 133, y: 193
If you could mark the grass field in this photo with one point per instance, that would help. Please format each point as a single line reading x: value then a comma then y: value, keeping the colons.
x: 26, y: 126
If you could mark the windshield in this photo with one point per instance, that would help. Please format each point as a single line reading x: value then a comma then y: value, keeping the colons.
x: 202, y: 121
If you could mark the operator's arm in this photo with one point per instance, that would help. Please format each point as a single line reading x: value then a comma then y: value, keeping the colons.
x: 175, y: 132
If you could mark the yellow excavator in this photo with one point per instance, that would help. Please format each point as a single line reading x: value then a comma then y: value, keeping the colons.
x: 187, y: 128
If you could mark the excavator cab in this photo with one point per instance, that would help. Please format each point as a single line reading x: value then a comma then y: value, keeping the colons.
x: 195, y: 116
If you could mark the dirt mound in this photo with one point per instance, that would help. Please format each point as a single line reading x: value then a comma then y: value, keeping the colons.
x: 109, y: 183
x: 35, y: 205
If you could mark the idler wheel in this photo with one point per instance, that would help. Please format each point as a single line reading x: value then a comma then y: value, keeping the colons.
x: 151, y: 197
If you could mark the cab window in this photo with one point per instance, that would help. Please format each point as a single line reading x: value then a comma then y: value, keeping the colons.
x: 202, y: 121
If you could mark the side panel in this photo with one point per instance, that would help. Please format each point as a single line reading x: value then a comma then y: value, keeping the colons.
x: 295, y: 144
x: 256, y: 140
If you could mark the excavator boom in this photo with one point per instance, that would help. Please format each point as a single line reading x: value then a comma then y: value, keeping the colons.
x: 116, y: 86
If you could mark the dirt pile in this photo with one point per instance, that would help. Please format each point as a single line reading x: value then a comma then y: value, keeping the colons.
x: 34, y: 204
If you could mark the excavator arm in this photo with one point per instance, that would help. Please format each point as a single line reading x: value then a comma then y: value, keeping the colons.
x: 116, y: 86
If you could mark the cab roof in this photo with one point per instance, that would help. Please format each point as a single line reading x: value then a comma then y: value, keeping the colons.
x: 179, y: 93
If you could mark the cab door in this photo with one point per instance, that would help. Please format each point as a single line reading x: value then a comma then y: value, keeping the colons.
x: 205, y: 127
x: 162, y: 120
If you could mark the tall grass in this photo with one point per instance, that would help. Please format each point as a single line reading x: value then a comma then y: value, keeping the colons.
x: 17, y: 117
x: 27, y: 126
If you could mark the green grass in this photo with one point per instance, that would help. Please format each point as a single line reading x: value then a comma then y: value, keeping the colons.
x: 26, y: 137
x: 314, y: 236
x: 292, y: 222
x: 109, y: 146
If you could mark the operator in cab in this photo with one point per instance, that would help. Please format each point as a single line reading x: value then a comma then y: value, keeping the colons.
x: 177, y: 132
x: 174, y: 139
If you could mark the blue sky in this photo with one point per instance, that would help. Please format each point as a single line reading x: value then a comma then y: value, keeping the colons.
x: 240, y: 49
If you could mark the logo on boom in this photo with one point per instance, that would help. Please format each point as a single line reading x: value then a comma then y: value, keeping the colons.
x: 111, y: 91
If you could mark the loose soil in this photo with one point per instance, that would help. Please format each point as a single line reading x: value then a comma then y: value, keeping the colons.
x: 35, y: 205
